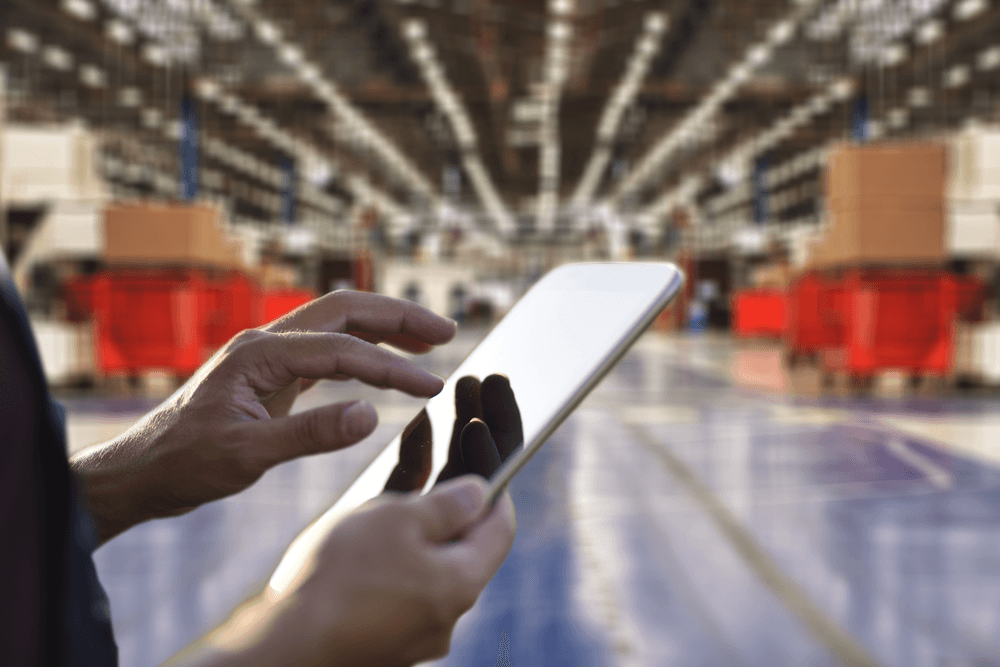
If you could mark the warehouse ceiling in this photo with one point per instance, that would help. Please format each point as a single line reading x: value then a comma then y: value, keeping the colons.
x: 517, y: 111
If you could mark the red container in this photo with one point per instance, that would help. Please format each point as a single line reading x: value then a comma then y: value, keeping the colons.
x: 278, y: 302
x: 814, y: 316
x: 78, y: 295
x: 759, y: 312
x: 895, y: 319
x: 972, y: 293
x: 233, y: 305
x: 150, y: 319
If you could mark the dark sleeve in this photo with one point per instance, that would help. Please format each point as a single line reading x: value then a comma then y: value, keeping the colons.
x: 54, y: 609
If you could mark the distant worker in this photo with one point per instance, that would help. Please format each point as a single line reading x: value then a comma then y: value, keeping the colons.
x: 386, y: 585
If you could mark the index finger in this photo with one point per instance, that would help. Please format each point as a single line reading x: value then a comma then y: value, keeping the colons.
x: 365, y: 312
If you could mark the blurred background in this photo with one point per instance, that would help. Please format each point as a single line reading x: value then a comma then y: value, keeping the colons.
x: 797, y: 465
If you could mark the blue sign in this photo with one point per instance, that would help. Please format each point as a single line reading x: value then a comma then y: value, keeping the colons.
x: 288, y: 191
x: 859, y: 119
x: 761, y: 213
x: 187, y: 150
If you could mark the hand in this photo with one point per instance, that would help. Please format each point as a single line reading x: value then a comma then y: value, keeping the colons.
x: 487, y: 431
x: 229, y: 423
x: 386, y: 586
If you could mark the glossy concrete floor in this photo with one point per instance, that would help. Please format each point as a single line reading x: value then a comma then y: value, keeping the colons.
x: 700, y: 508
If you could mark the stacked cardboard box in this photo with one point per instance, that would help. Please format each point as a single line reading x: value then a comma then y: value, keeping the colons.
x: 885, y: 205
x: 49, y: 163
x: 168, y: 234
x: 974, y: 193
x: 772, y: 276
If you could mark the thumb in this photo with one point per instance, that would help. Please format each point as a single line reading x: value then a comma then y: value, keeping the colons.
x: 452, y: 507
x: 324, y: 429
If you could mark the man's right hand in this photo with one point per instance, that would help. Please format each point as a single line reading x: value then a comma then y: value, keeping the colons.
x: 386, y: 588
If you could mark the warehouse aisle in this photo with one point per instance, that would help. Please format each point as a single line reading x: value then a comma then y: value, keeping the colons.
x: 689, y: 513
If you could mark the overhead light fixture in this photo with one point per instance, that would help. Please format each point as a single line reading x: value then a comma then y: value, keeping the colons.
x: 655, y: 23
x: 894, y: 54
x: 559, y: 31
x: 155, y: 54
x: 22, y: 40
x: 151, y: 118
x: 898, y: 117
x: 119, y: 32
x: 92, y: 76
x: 81, y: 9
x: 919, y: 97
x: 57, y: 58
x: 561, y: 7
x: 130, y: 97
x: 781, y: 32
x: 290, y: 55
x: 989, y: 58
x: 957, y: 76
x: 414, y: 29
x: 930, y: 32
x: 207, y: 88
x: 267, y: 32
x: 967, y: 9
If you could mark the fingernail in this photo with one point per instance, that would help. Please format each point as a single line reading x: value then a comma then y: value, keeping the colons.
x: 470, y: 496
x: 361, y: 418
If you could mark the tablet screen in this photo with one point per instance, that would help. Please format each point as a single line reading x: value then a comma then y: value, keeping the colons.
x: 549, y: 345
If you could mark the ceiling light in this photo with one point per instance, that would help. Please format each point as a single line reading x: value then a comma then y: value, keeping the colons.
x: 656, y: 22
x: 959, y: 75
x: 758, y: 55
x: 423, y: 53
x: 894, y: 54
x: 130, y: 97
x: 967, y: 9
x: 561, y: 7
x: 842, y: 88
x: 919, y: 97
x: 57, y: 58
x: 898, y: 117
x: 559, y: 31
x: 22, y: 40
x: 414, y: 29
x: 267, y: 32
x: 151, y: 118
x: 290, y: 55
x: 929, y: 32
x: 119, y: 31
x: 81, y: 9
x: 989, y: 58
x: 155, y: 54
x: 93, y: 76
x: 782, y: 32
x: 207, y: 88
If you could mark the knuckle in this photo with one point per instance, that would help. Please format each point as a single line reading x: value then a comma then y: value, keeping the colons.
x: 309, y: 432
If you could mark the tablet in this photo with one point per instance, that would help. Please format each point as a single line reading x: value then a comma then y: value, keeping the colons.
x: 555, y: 345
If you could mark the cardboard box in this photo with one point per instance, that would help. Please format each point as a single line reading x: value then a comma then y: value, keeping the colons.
x: 974, y: 165
x: 893, y: 170
x: 772, y: 276
x: 167, y: 234
x: 885, y: 234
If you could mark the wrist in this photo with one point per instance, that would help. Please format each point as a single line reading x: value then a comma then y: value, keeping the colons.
x: 112, y: 487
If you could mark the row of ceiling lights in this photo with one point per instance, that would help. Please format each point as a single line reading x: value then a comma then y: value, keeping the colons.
x: 698, y: 120
x: 423, y: 53
x: 558, y: 52
x: 317, y: 169
x: 646, y: 47
x: 734, y: 165
x: 152, y: 118
x: 353, y: 120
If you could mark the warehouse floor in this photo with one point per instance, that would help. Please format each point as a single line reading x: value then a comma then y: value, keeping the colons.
x: 700, y: 508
